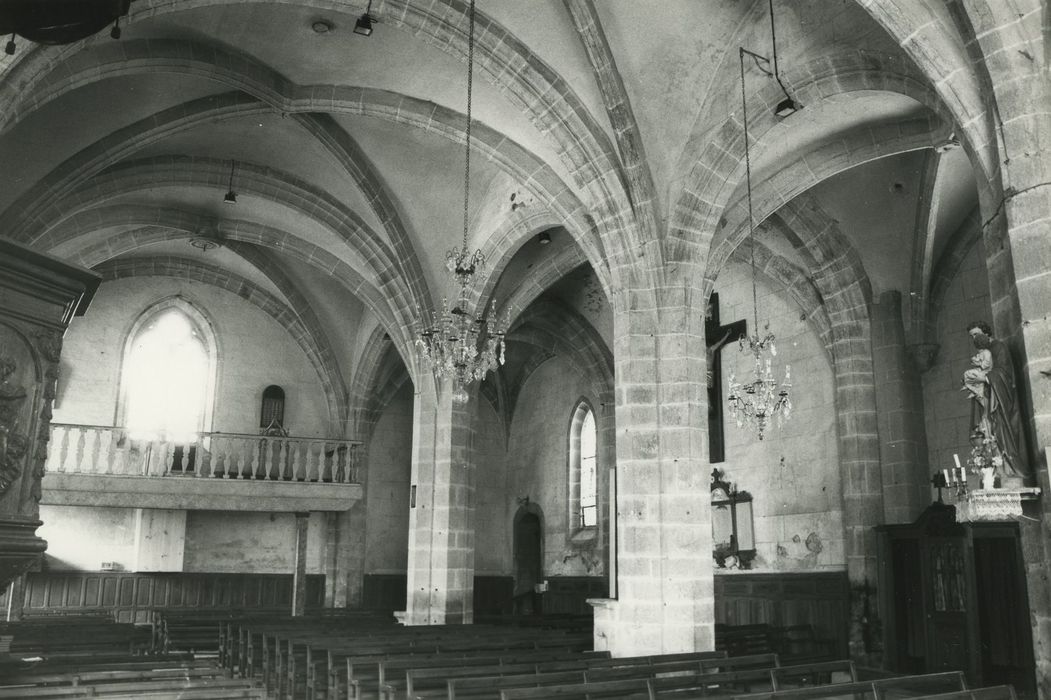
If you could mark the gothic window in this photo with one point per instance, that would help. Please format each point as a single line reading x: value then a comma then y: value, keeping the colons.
x: 583, y: 472
x: 272, y: 412
x: 168, y: 374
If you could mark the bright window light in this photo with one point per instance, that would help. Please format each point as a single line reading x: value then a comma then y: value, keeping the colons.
x: 166, y: 375
x: 588, y: 479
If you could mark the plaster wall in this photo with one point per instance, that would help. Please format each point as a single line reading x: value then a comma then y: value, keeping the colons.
x: 254, y: 352
x: 793, y: 473
x: 387, y: 490
x: 250, y: 543
x: 947, y: 408
x: 538, y: 463
x: 81, y: 538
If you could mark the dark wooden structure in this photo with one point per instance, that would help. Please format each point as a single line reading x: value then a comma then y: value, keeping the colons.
x: 953, y: 597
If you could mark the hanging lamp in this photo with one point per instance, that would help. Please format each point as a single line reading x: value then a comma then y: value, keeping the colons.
x: 761, y: 400
x: 454, y: 344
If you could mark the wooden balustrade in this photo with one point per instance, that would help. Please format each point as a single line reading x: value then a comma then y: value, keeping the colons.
x: 106, y: 450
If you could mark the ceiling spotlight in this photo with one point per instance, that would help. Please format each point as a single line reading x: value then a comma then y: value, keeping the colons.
x: 786, y: 107
x: 544, y: 238
x: 231, y: 196
x: 364, y: 24
x: 9, y: 48
x: 321, y: 26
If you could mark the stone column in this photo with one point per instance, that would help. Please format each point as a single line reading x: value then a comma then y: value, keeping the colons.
x: 1019, y: 288
x: 39, y: 295
x: 440, y: 587
x: 899, y: 399
x: 299, y: 577
x: 665, y: 599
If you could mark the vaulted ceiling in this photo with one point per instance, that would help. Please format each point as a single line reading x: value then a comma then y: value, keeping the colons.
x: 346, y: 152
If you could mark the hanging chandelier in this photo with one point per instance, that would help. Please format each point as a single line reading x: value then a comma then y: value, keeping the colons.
x: 761, y: 400
x: 454, y: 344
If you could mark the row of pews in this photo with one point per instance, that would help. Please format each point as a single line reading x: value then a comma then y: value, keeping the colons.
x: 357, y: 655
x: 70, y: 656
x: 369, y: 658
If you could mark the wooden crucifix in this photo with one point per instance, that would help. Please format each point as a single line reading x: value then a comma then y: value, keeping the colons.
x: 716, y: 337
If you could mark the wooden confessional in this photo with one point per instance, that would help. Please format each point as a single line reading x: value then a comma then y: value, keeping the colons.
x: 953, y: 597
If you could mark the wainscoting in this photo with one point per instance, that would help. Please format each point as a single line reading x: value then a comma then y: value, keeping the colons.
x: 492, y: 594
x: 386, y: 592
x: 130, y: 596
x: 821, y: 600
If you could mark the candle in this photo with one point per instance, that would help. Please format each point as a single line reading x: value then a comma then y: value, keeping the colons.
x: 956, y: 458
x: 945, y: 475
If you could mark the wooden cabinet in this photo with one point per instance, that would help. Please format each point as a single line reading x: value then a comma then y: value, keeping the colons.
x: 953, y: 598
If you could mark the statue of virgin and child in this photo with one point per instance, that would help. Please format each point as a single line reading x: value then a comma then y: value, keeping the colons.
x: 996, y: 419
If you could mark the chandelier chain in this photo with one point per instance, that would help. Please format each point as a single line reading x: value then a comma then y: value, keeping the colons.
x: 748, y: 184
x: 467, y: 157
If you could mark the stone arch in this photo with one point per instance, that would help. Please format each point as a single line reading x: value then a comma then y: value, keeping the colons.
x: 277, y: 310
x: 511, y: 67
x: 205, y: 326
x: 714, y: 162
x: 185, y: 225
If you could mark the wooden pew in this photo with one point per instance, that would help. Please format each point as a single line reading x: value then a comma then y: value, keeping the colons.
x: 819, y: 673
x: 484, y: 681
x: 366, y: 673
x: 898, y: 687
x: 995, y: 692
x: 461, y: 680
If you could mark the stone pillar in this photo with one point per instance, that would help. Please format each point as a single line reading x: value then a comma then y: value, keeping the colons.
x: 899, y: 399
x: 440, y: 587
x: 299, y: 577
x: 665, y: 600
x: 1020, y: 287
x: 39, y: 295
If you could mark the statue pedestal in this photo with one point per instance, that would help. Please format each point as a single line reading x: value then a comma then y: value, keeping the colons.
x: 992, y: 505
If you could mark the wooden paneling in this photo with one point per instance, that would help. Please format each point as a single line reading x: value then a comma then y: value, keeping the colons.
x: 131, y: 596
x: 821, y: 600
x: 386, y: 592
x: 568, y: 595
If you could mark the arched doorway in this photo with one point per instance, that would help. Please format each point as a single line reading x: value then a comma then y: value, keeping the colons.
x: 528, y: 552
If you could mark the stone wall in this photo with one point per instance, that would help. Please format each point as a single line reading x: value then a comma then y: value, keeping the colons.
x: 494, y: 504
x: 389, y: 460
x: 254, y: 352
x: 793, y: 474
x: 538, y: 463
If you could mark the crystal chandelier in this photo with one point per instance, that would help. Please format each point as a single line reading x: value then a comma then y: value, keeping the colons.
x: 455, y: 345
x: 762, y: 399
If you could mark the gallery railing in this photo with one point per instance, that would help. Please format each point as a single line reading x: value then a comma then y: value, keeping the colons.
x: 105, y: 450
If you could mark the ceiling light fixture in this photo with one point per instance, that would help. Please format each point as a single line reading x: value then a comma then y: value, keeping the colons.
x: 231, y: 196
x: 364, y: 24
x: 321, y: 26
x: 761, y: 399
x: 9, y: 47
x: 544, y: 238
x: 787, y: 106
x: 449, y: 341
x: 207, y: 238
